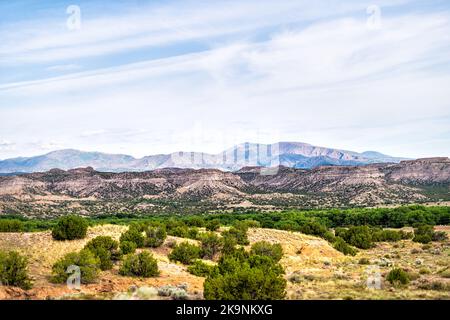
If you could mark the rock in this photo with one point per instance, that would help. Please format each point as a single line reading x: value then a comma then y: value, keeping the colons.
x: 132, y: 288
x: 419, y: 262
x: 383, y: 262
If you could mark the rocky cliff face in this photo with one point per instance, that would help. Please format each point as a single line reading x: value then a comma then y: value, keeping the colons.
x: 378, y: 183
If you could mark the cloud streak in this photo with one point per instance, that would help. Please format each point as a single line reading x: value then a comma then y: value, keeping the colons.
x: 297, y: 71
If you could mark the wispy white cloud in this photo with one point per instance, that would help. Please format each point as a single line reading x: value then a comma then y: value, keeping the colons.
x: 64, y: 67
x: 330, y: 82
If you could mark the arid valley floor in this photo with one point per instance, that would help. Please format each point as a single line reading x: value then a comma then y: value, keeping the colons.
x: 314, y: 269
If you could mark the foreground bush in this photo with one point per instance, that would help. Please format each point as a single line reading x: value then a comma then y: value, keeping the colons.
x: 185, y: 253
x: 195, y: 221
x: 440, y: 236
x: 88, y: 263
x: 127, y: 247
x: 213, y: 225
x: 340, y: 245
x: 359, y: 236
x: 239, y: 234
x: 70, y: 228
x: 241, y: 276
x: 106, y: 249
x: 210, y: 245
x: 201, y: 269
x: 264, y: 248
x: 398, y: 276
x: 133, y: 235
x: 14, y: 270
x: 156, y: 234
x: 11, y: 225
x: 423, y: 233
x: 139, y: 265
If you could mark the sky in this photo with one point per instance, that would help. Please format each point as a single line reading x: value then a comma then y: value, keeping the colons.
x: 148, y: 77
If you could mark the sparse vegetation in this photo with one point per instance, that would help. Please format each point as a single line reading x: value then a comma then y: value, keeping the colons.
x: 263, y: 248
x: 426, y: 268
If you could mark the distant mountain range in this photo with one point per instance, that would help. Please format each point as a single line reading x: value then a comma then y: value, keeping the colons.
x: 174, y: 190
x: 289, y: 154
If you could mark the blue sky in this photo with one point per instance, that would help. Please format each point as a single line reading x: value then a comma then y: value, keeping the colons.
x: 145, y: 77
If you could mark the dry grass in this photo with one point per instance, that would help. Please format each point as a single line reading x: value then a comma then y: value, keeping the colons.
x: 42, y: 252
x: 321, y: 272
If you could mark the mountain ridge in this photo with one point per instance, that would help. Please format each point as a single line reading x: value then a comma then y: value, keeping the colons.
x: 55, y: 191
x: 289, y: 154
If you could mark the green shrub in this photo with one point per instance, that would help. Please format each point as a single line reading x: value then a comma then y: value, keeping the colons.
x: 364, y: 261
x: 313, y: 228
x: 358, y: 236
x: 127, y: 247
x: 179, y: 231
x: 195, y: 221
x: 241, y: 276
x: 422, y: 238
x: 440, y: 236
x: 398, y: 276
x: 249, y: 223
x: 387, y: 235
x: 228, y: 244
x: 106, y: 249
x: 173, y: 223
x: 192, y: 233
x: 156, y: 235
x: 69, y: 228
x: 201, y: 269
x: 264, y: 248
x: 88, y: 263
x: 210, y: 244
x: 423, y: 233
x: 14, y: 270
x: 237, y: 233
x: 435, y: 285
x: 185, y: 253
x: 445, y: 273
x: 340, y: 245
x: 139, y: 265
x: 212, y: 225
x: 133, y: 235
x: 245, y: 284
x: 11, y: 225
